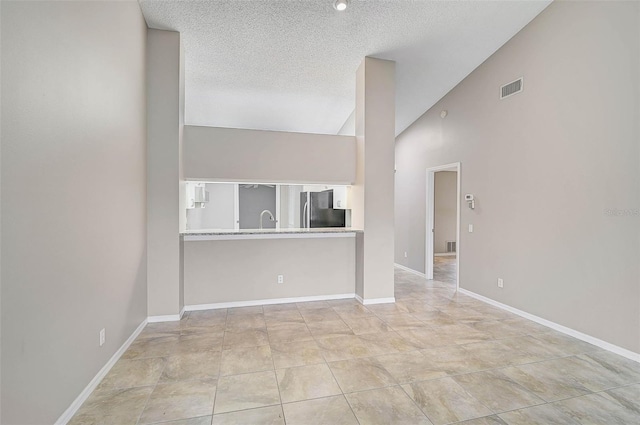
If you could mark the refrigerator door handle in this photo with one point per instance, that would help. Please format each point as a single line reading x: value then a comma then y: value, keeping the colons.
x: 305, y: 219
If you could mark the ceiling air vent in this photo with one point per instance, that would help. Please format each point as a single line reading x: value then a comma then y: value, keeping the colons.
x: 511, y: 88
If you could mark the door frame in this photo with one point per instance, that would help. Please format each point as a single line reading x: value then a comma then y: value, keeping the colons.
x: 277, y: 211
x: 430, y: 216
x: 236, y: 206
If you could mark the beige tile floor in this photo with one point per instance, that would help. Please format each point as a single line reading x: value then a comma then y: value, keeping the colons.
x: 444, y: 268
x: 433, y: 357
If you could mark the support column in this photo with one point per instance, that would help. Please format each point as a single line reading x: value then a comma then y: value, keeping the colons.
x: 373, y: 193
x: 165, y: 122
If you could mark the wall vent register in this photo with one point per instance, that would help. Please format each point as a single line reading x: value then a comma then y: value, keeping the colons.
x: 451, y: 246
x: 511, y: 88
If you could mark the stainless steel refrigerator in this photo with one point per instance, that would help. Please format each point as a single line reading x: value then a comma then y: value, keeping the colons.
x: 317, y: 210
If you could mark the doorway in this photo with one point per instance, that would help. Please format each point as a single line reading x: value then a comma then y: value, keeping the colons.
x: 443, y: 224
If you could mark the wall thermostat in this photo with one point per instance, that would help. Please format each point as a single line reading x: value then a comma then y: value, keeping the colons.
x: 471, y: 202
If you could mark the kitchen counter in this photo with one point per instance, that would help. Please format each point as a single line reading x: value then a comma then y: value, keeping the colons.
x: 228, y: 234
x: 225, y: 268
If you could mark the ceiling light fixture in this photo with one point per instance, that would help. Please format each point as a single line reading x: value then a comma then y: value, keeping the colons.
x: 340, y: 5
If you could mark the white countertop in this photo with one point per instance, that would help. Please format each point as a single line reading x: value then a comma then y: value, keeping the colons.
x: 231, y: 234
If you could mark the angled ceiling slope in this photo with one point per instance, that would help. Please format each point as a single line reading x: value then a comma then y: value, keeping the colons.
x: 290, y: 65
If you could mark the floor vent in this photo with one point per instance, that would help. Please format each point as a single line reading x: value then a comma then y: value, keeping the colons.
x: 451, y: 246
x: 511, y: 88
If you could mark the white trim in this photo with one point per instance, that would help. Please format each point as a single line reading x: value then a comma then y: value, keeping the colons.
x: 236, y: 206
x: 430, y: 224
x: 407, y: 269
x: 182, y: 311
x: 165, y: 318
x: 252, y: 303
x: 281, y: 235
x: 430, y: 217
x: 371, y: 301
x: 278, y: 206
x: 565, y: 330
x: 458, y: 207
x: 73, y: 408
x: 445, y: 254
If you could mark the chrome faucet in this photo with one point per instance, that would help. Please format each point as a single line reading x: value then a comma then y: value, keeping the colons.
x: 262, y: 216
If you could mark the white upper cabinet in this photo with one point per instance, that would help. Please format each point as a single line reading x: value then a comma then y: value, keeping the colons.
x: 341, y: 197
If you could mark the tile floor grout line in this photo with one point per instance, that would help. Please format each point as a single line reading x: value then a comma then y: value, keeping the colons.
x: 351, y: 408
x: 275, y: 375
x: 322, y: 398
x: 526, y: 390
x: 215, y: 395
x: 146, y: 403
x: 537, y: 405
x: 246, y: 409
x: 473, y: 397
x: 415, y: 403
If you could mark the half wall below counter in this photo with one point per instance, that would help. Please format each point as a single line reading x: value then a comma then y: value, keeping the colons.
x: 241, y: 268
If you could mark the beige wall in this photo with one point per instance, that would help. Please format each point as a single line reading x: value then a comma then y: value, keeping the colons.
x: 373, y: 192
x: 164, y: 126
x: 445, y: 205
x: 229, y: 154
x: 0, y: 216
x: 247, y: 270
x: 73, y: 139
x: 544, y: 165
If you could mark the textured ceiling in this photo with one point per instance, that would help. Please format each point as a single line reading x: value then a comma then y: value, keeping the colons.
x: 290, y: 65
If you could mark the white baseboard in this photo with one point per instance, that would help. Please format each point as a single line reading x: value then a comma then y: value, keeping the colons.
x: 73, y: 408
x: 165, y: 318
x: 565, y: 330
x: 407, y: 269
x: 371, y: 301
x: 252, y: 303
x: 444, y: 254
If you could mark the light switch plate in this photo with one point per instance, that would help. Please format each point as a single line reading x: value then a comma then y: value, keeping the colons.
x: 471, y: 228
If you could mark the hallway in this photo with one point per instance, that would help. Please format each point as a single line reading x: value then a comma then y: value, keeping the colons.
x: 444, y: 268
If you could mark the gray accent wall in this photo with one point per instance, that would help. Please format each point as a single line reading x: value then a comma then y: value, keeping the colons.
x: 254, y: 200
x: 73, y: 197
x: 554, y: 169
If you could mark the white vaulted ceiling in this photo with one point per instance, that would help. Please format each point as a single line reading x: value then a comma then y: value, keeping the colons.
x: 290, y: 65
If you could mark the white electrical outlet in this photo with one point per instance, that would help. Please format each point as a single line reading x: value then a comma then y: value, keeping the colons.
x: 103, y: 337
x: 280, y: 278
x: 405, y: 254
x: 471, y: 228
x: 500, y: 283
